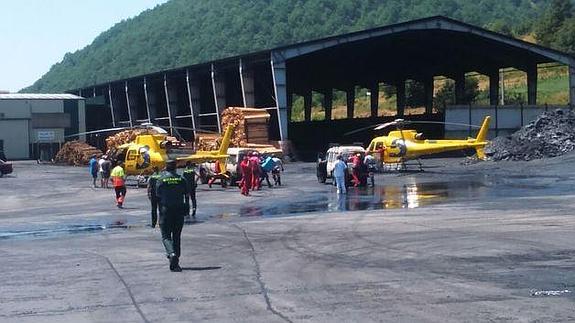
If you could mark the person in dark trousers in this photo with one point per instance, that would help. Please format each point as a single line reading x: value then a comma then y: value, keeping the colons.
x: 119, y: 183
x: 189, y: 175
x: 152, y: 181
x: 94, y: 167
x: 172, y: 192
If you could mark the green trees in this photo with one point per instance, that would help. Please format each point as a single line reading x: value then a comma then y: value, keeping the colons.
x: 183, y: 32
x: 548, y: 25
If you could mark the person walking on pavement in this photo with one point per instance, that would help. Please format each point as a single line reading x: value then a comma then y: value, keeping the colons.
x: 106, y: 169
x: 152, y: 181
x: 172, y: 191
x: 189, y: 175
x: 339, y: 172
x: 267, y: 166
x: 246, y: 182
x: 119, y: 183
x: 93, y: 167
x: 255, y: 166
x: 278, y: 165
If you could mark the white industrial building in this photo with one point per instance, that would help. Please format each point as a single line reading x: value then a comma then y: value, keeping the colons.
x: 33, y: 126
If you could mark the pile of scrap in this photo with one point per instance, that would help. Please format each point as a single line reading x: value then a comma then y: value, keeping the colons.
x: 551, y: 134
x: 126, y: 136
x: 76, y: 153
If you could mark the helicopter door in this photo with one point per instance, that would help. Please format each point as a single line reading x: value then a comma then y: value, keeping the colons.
x: 131, y: 159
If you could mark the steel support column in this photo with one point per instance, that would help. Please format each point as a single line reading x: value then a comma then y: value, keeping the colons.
x: 428, y: 91
x: 219, y: 88
x: 111, y: 104
x: 460, y: 89
x: 190, y: 101
x: 307, y: 99
x: 572, y: 86
x: 350, y: 101
x: 147, y: 100
x: 328, y: 103
x: 170, y: 119
x: 247, y: 83
x: 128, y: 103
x: 494, y: 87
x: 374, y: 99
x: 400, y: 98
x: 532, y: 84
x: 280, y: 88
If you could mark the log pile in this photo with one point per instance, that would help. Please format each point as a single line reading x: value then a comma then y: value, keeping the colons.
x: 250, y: 127
x: 126, y: 136
x: 76, y: 153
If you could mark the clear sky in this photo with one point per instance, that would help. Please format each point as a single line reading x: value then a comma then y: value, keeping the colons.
x: 35, y: 34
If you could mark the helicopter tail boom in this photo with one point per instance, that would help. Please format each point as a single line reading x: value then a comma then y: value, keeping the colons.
x: 226, y: 140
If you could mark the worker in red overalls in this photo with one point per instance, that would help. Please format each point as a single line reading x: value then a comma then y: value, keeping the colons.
x: 256, y: 172
x: 246, y: 181
x: 356, y: 169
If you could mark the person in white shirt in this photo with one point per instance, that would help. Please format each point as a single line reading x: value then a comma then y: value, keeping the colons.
x: 339, y: 171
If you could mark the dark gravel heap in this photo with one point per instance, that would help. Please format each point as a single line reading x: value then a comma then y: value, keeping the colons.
x: 551, y: 134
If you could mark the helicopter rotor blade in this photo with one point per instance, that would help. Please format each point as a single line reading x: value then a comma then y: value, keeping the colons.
x: 447, y: 123
x: 96, y: 131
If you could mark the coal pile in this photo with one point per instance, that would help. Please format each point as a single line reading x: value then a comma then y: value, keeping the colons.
x: 551, y: 134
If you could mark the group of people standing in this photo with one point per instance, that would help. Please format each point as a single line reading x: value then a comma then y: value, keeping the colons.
x: 102, y: 168
x: 255, y: 169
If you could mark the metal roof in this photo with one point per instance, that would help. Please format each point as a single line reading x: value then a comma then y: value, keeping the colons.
x: 39, y: 96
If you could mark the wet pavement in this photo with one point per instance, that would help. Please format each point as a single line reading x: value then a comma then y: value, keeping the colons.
x: 474, y: 242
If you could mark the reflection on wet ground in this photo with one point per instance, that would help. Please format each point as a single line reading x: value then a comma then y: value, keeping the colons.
x: 410, y: 195
x: 59, y: 230
x: 387, y: 194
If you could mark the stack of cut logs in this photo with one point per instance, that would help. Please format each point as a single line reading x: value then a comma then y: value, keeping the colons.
x: 76, y: 153
x: 126, y: 136
x: 250, y: 127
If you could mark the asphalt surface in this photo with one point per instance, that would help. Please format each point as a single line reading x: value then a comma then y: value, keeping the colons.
x: 459, y: 242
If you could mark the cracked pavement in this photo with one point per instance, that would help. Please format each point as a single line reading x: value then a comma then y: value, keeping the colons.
x: 454, y: 260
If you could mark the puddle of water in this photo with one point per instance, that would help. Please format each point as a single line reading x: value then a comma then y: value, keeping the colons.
x: 57, y: 231
x: 372, y: 198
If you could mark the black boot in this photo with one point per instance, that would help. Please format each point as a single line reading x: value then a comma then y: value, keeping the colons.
x: 175, y: 263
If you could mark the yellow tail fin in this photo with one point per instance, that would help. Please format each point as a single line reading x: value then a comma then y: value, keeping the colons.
x: 226, y: 140
x: 482, y: 138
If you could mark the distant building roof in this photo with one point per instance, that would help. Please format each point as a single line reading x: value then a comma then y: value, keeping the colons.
x: 39, y: 96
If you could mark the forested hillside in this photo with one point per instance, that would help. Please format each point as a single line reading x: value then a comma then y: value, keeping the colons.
x: 185, y: 32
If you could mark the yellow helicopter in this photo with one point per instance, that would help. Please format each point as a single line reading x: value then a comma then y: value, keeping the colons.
x: 402, y: 145
x: 147, y: 151
x: 153, y: 150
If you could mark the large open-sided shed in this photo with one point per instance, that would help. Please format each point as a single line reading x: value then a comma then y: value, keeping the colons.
x: 193, y: 96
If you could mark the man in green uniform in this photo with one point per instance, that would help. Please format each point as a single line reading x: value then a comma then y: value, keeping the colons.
x: 172, y: 192
x: 152, y: 180
x: 189, y: 175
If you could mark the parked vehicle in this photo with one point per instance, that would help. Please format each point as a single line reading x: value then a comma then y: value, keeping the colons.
x: 235, y: 156
x: 326, y: 163
x: 5, y: 168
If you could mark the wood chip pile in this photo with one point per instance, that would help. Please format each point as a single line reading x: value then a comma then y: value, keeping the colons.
x: 76, y: 153
x: 126, y: 136
x: 250, y: 127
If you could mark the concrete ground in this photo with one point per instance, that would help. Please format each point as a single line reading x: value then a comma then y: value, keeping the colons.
x: 456, y: 243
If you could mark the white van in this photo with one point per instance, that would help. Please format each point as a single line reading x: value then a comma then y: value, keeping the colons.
x: 326, y: 163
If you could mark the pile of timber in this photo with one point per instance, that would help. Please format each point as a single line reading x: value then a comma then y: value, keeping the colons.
x: 126, y: 136
x: 250, y: 130
x: 76, y: 153
x: 251, y: 125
